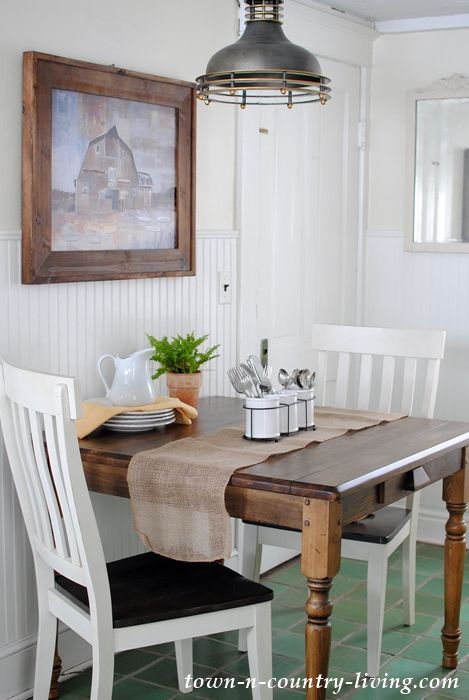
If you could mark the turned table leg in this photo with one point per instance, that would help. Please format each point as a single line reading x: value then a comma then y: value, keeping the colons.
x: 320, y: 561
x: 456, y: 495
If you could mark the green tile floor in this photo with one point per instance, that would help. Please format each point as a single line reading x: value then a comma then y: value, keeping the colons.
x: 150, y: 674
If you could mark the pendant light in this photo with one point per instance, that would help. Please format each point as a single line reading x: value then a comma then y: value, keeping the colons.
x: 263, y: 67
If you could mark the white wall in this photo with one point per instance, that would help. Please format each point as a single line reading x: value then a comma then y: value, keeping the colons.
x: 154, y: 36
x: 404, y: 289
x: 403, y: 62
x: 65, y: 327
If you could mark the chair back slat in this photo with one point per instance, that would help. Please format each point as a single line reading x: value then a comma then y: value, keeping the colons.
x: 48, y: 490
x: 43, y: 530
x: 322, y: 374
x: 343, y: 373
x: 76, y: 490
x: 408, y: 387
x: 431, y: 386
x: 364, y: 384
x: 382, y: 369
x: 387, y: 383
x: 70, y: 545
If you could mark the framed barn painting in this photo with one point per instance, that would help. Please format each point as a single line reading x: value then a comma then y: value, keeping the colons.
x: 108, y: 173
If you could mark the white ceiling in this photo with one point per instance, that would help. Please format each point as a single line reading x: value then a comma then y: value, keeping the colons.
x: 384, y: 10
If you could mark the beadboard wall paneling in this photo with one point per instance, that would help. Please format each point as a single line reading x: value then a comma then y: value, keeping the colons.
x: 63, y: 328
x: 428, y: 291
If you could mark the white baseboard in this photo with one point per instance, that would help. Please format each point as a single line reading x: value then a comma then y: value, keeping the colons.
x: 17, y: 669
x: 274, y: 556
x: 431, y: 527
x: 17, y: 663
x: 74, y: 651
x: 271, y: 557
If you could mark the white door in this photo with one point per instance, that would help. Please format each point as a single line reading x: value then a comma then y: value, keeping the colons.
x: 298, y: 204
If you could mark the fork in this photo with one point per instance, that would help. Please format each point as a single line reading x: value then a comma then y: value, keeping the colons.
x: 259, y: 372
x: 242, y: 383
x: 249, y: 380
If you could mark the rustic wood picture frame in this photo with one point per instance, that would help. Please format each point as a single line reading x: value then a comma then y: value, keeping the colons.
x: 41, y: 264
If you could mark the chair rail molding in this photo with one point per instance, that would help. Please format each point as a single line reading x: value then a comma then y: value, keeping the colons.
x: 15, y: 234
x: 10, y: 235
x: 384, y: 233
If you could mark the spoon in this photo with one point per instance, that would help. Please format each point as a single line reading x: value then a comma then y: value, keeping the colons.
x: 284, y: 378
x: 294, y: 376
x: 304, y: 378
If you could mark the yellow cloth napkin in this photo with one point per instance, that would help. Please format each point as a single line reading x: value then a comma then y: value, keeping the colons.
x: 96, y: 413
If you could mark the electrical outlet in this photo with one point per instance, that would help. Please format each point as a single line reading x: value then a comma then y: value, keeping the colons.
x: 224, y: 287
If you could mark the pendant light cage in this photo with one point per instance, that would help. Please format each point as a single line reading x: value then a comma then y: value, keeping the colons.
x: 263, y: 67
x: 272, y: 11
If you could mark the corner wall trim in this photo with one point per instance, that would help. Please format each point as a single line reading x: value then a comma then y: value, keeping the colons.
x: 422, y: 24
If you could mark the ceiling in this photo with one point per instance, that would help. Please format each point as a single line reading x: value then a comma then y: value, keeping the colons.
x: 385, y: 10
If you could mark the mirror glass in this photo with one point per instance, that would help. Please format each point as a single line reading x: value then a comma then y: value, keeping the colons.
x: 439, y: 165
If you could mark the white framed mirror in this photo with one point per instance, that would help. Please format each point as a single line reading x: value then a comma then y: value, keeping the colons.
x: 438, y: 167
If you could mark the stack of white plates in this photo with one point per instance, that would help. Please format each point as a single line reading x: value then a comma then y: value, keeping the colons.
x: 139, y: 421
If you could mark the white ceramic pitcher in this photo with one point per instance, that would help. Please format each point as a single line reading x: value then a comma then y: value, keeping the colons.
x: 132, y: 384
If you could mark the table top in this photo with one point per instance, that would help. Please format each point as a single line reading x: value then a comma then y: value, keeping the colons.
x: 341, y: 466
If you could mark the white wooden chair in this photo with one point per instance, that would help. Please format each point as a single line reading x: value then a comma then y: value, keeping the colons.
x: 134, y: 602
x: 367, y: 368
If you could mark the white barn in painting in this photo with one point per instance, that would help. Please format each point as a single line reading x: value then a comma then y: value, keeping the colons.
x: 108, y: 179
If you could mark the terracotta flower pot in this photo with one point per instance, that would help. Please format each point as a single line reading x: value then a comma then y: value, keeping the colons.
x: 185, y: 386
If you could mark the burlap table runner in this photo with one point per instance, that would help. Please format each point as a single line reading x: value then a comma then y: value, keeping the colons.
x: 178, y: 491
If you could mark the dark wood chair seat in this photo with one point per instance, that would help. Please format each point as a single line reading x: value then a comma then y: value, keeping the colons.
x: 150, y: 588
x: 380, y: 527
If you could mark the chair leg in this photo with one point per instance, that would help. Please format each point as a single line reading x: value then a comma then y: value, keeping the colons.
x: 249, y: 560
x: 259, y: 643
x: 103, y: 669
x: 249, y: 563
x: 45, y: 651
x: 376, y: 596
x: 184, y: 664
x: 408, y: 578
x: 409, y: 555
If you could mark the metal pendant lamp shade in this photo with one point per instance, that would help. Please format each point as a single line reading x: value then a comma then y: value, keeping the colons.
x: 263, y: 67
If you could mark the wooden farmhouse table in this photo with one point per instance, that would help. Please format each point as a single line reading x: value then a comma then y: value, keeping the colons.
x: 318, y: 490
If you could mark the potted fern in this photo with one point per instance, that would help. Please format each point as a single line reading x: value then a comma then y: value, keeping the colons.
x: 181, y: 358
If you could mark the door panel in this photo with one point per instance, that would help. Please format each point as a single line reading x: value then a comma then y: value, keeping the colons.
x: 298, y: 203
